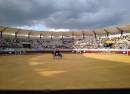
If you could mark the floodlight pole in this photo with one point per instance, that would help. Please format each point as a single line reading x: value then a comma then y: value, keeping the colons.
x: 95, y: 35
x: 40, y: 35
x: 83, y: 35
x: 16, y: 33
x: 73, y: 37
x: 106, y: 32
x: 29, y: 35
x: 51, y: 36
x: 1, y: 35
x: 62, y: 36
x: 121, y: 31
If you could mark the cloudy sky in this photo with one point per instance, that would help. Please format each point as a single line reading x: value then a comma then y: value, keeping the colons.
x: 64, y: 14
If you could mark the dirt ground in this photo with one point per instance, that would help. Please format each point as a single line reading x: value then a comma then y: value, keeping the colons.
x: 74, y: 71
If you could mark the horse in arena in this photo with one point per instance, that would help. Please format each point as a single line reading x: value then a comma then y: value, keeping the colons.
x: 57, y: 54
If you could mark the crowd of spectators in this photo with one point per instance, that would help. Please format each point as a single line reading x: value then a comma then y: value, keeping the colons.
x: 89, y: 42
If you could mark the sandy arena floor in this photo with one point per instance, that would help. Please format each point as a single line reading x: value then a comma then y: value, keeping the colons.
x: 74, y: 71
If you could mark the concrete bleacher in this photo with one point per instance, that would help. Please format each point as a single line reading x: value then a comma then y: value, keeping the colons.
x: 13, y: 39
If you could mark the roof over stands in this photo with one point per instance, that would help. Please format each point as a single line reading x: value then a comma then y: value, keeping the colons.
x: 9, y: 32
x: 100, y: 32
x: 21, y: 33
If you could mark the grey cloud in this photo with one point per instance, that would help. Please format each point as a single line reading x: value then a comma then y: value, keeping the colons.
x: 72, y: 14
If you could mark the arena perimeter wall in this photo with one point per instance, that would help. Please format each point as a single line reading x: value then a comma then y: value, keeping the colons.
x: 114, y: 51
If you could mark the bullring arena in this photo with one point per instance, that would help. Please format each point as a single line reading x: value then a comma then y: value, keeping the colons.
x: 90, y: 59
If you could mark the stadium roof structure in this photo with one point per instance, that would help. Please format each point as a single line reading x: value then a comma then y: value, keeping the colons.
x: 22, y: 33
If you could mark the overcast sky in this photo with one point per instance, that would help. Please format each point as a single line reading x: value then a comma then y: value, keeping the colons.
x: 64, y: 14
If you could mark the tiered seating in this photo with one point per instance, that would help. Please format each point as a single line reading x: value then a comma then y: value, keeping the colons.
x: 122, y: 42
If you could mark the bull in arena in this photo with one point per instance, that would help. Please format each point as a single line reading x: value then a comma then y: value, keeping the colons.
x: 57, y: 54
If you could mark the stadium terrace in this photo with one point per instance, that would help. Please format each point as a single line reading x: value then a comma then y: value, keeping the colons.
x: 20, y: 41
